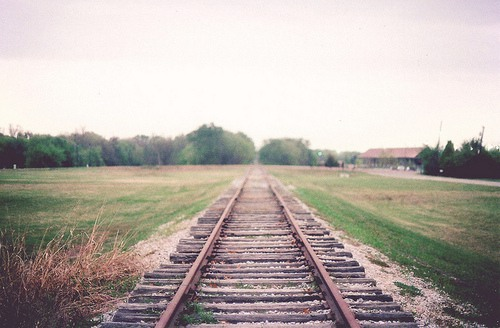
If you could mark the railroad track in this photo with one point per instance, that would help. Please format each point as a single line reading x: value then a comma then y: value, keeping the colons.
x: 257, y: 257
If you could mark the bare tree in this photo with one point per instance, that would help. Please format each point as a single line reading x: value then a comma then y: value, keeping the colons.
x: 15, y: 131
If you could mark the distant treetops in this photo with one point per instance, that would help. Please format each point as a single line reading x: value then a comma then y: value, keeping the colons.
x: 208, y: 144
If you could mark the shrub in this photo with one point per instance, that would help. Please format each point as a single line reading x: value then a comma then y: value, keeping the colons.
x: 331, y: 161
x: 63, y: 284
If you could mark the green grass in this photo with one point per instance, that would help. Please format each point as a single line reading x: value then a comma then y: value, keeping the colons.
x: 132, y: 201
x: 446, y: 233
x: 409, y: 290
x: 195, y: 314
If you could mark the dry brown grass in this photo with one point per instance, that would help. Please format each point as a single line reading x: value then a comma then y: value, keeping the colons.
x: 62, y: 284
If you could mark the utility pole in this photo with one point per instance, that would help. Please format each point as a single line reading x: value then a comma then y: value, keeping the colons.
x: 481, y: 141
x: 439, y: 138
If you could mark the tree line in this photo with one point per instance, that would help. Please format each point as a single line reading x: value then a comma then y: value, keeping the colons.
x: 470, y: 160
x: 206, y: 145
x: 289, y: 151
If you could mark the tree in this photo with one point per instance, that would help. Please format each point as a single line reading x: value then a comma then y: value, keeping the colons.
x: 129, y: 153
x: 430, y: 160
x: 238, y: 148
x: 286, y: 152
x: 12, y: 151
x: 349, y: 157
x: 207, y: 145
x: 447, y: 161
x: 14, y: 131
x: 331, y: 161
x: 162, y: 151
x: 88, y: 149
x: 94, y: 156
x: 178, y: 145
x: 153, y: 151
x: 110, y: 152
x: 472, y: 161
x: 48, y: 151
x: 210, y: 144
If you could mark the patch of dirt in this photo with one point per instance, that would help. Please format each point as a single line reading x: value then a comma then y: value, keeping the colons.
x: 157, y: 249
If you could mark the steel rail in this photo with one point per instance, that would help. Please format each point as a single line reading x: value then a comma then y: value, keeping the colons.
x: 343, y: 314
x: 175, y: 306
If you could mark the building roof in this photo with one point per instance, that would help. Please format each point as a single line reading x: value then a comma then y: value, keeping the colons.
x: 392, y: 152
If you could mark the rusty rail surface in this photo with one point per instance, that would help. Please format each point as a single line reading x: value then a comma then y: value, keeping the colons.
x: 175, y: 306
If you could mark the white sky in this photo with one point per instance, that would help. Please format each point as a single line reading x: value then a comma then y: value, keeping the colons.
x: 345, y: 75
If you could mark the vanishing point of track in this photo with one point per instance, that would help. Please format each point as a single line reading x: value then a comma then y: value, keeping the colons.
x: 257, y: 257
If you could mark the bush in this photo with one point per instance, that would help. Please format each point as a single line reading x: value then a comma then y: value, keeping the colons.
x: 62, y: 284
x: 331, y: 161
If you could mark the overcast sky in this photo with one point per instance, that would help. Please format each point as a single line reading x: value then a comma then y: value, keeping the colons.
x: 345, y: 75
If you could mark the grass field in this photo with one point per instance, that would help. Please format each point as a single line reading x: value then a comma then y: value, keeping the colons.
x: 125, y: 200
x: 444, y: 232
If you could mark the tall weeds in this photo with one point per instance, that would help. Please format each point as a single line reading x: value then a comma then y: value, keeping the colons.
x: 62, y: 284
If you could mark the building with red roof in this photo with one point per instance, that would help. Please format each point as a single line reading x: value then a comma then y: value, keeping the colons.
x: 396, y: 158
